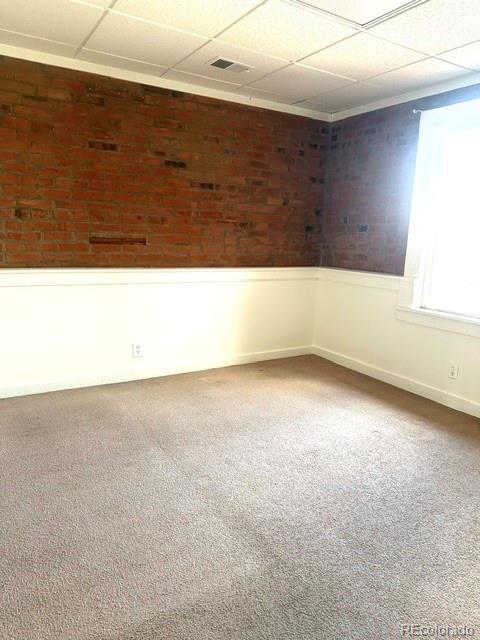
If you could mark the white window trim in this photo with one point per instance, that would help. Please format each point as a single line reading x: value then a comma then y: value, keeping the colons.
x: 417, y: 260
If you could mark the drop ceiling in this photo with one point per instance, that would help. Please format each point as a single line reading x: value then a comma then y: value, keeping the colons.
x: 322, y: 58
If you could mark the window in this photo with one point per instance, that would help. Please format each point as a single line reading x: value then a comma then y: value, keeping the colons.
x: 444, y: 238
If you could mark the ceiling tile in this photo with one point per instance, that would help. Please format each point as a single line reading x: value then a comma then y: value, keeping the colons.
x: 353, y: 95
x: 435, y: 26
x: 419, y: 74
x: 197, y: 16
x: 281, y: 29
x: 200, y: 81
x: 300, y: 82
x: 37, y: 44
x: 131, y: 38
x: 103, y: 4
x: 122, y: 63
x: 468, y: 56
x: 199, y: 61
x: 57, y: 20
x: 362, y: 56
x: 361, y: 12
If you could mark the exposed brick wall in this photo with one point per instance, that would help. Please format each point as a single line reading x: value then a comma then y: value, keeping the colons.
x: 102, y: 172
x: 371, y: 165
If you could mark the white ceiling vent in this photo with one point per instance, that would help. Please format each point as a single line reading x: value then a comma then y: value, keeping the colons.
x: 229, y: 65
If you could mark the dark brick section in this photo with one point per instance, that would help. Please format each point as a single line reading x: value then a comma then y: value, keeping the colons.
x: 102, y: 146
x: 371, y: 165
x: 116, y: 240
x: 368, y: 190
x: 178, y: 164
x: 101, y: 172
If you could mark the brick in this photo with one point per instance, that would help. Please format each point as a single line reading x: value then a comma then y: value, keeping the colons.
x: 368, y: 185
x: 87, y: 157
x: 198, y: 181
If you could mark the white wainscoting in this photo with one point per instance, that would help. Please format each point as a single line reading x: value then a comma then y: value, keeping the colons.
x: 357, y: 325
x: 65, y: 328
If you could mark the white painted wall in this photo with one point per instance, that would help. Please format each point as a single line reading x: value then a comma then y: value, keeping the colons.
x: 358, y: 325
x: 71, y: 328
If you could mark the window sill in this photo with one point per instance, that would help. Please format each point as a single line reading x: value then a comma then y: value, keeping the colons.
x: 439, y: 320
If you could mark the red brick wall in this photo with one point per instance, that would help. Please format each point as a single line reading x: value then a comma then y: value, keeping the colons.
x: 102, y: 172
x: 371, y: 165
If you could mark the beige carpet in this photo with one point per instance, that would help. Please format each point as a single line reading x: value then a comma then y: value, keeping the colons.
x: 291, y: 499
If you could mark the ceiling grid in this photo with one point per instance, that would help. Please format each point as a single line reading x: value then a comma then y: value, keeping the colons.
x: 320, y: 58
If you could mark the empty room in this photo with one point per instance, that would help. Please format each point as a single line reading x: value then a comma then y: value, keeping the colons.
x: 239, y: 319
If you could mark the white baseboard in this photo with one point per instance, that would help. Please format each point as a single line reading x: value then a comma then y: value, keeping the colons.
x: 182, y: 366
x: 408, y: 384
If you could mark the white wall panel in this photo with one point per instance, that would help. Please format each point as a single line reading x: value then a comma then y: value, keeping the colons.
x: 71, y: 328
x: 357, y: 325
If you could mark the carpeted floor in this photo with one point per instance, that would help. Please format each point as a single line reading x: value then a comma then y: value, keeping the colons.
x: 291, y: 499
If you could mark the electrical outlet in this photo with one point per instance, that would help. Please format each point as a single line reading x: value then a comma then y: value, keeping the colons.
x: 453, y: 372
x: 137, y: 350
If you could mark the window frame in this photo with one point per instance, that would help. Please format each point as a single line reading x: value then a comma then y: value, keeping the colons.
x: 420, y: 244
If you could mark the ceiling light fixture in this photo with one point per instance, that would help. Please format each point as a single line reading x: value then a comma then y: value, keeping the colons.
x: 367, y: 25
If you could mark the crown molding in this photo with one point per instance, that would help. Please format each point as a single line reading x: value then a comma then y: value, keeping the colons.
x: 229, y: 96
x: 156, y: 81
x: 458, y: 83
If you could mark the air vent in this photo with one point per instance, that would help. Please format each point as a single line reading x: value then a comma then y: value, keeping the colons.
x: 229, y: 65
